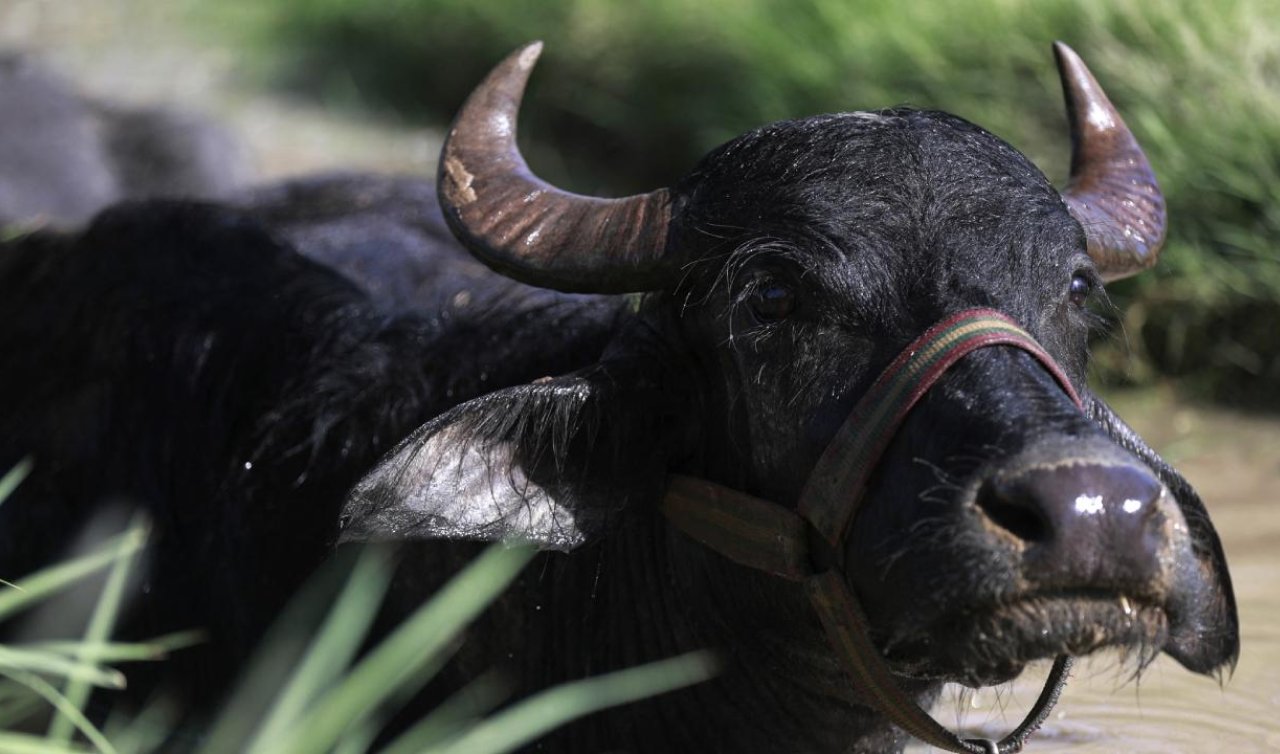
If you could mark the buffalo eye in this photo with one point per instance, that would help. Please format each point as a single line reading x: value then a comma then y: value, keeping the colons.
x: 1081, y: 287
x: 772, y: 300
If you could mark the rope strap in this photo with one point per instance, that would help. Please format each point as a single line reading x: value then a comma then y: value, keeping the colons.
x: 771, y: 538
x: 844, y: 467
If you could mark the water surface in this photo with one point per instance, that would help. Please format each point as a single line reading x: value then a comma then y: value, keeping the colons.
x: 1234, y: 461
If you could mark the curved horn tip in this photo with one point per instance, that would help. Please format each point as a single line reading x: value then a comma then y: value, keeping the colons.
x: 1063, y: 50
x: 1083, y: 93
x: 1067, y: 57
x: 1112, y: 190
x: 519, y: 62
x: 528, y: 54
x: 512, y: 74
x: 488, y: 116
x: 524, y: 227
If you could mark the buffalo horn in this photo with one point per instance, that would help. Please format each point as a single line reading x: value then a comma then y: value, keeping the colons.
x: 530, y: 230
x: 1112, y: 192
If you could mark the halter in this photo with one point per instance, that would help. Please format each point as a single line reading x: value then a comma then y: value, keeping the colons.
x: 771, y: 538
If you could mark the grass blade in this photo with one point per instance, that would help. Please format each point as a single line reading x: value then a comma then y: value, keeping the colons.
x: 42, y: 584
x: 417, y: 643
x: 18, y: 743
x: 108, y: 651
x: 357, y: 740
x: 531, y: 718
x: 331, y: 651
x: 451, y: 718
x: 10, y: 481
x: 277, y: 654
x: 63, y: 706
x: 47, y: 663
x: 100, y: 626
x: 17, y: 704
x: 146, y: 732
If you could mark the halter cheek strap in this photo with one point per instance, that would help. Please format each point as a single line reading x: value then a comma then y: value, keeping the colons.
x: 771, y: 538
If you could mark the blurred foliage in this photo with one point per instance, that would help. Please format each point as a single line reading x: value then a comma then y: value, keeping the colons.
x: 308, y: 690
x: 629, y: 95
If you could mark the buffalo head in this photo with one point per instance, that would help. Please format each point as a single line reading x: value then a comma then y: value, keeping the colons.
x: 1002, y: 525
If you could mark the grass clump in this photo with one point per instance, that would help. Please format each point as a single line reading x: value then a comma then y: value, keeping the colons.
x: 60, y: 675
x: 311, y: 690
x: 629, y: 95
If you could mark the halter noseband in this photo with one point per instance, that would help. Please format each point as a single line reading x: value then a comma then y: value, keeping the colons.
x: 771, y: 538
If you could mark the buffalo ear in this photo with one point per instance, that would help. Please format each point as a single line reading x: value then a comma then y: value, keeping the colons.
x: 1207, y: 637
x: 537, y: 463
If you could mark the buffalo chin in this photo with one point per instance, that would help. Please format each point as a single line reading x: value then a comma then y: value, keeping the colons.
x: 991, y: 646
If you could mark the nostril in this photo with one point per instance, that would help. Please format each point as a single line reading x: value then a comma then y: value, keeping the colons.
x: 1075, y: 511
x: 1012, y: 508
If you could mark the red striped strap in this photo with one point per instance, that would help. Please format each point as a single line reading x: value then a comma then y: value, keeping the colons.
x: 844, y: 467
x: 766, y: 536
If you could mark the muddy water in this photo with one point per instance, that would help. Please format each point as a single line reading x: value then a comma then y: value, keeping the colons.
x: 1234, y: 461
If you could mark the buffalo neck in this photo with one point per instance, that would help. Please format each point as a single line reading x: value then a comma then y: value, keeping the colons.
x: 647, y: 593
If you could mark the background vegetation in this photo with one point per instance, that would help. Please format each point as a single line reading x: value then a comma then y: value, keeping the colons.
x: 629, y: 95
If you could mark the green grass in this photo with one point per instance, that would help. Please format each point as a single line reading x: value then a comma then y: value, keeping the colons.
x: 629, y: 95
x: 31, y: 674
x: 310, y: 690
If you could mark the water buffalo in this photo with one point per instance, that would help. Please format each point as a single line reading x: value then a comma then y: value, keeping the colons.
x: 264, y: 403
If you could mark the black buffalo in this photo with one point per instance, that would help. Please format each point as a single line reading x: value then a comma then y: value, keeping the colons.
x: 264, y: 403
